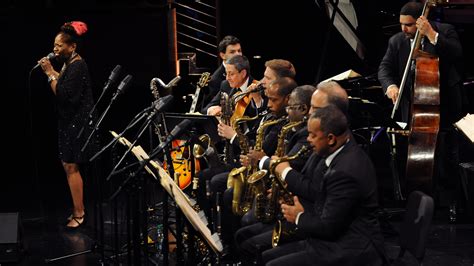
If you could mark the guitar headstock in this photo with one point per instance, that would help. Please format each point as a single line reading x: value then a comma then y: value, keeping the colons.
x: 204, y: 79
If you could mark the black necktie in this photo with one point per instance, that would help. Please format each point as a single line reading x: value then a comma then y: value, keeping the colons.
x: 322, y: 168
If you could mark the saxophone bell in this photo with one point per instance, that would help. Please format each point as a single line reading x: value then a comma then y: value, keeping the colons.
x: 201, y: 151
x: 255, y: 177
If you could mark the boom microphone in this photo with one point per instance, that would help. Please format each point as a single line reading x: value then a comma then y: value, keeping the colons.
x: 113, y: 77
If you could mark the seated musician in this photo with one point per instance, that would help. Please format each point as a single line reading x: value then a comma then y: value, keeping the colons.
x: 340, y: 226
x: 278, y: 94
x: 228, y: 47
x: 249, y: 237
x: 297, y: 109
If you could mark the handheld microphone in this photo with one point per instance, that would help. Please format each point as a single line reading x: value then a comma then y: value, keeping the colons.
x: 49, y: 56
x: 113, y: 77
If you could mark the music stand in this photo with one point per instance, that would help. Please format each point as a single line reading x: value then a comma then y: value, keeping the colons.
x: 201, y: 123
x: 369, y: 115
x: 197, y: 219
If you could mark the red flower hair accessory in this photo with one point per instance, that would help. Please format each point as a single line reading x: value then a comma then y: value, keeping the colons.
x: 79, y: 26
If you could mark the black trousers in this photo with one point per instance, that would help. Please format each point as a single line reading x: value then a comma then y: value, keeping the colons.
x: 253, y: 239
x: 294, y: 253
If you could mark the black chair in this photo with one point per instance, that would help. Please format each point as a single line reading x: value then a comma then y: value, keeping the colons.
x: 416, y: 225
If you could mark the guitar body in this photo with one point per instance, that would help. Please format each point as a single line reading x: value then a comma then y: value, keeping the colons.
x: 182, y: 164
x: 180, y: 154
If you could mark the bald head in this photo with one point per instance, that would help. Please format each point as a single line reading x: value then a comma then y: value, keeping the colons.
x: 327, y: 93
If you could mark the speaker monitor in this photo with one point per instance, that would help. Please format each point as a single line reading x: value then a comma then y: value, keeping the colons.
x: 9, y: 237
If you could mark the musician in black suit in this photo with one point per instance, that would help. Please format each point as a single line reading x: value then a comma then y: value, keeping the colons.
x: 341, y: 225
x: 278, y: 94
x: 439, y: 39
x: 327, y: 93
x: 297, y: 110
x: 256, y: 237
x: 238, y: 81
x: 228, y: 47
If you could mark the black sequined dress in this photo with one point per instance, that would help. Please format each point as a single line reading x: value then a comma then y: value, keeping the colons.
x: 74, y: 101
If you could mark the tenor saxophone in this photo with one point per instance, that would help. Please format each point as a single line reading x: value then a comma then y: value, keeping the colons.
x: 236, y: 178
x: 258, y: 190
x: 265, y: 210
x: 283, y: 232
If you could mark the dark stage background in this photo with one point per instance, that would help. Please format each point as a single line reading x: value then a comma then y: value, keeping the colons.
x: 134, y: 34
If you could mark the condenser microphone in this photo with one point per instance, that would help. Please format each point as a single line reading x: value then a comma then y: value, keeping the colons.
x: 113, y: 77
x: 49, y: 56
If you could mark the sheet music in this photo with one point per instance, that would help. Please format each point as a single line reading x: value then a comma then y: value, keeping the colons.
x: 198, y: 220
x: 466, y: 125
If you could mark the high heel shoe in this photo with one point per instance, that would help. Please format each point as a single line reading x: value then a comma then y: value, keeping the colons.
x: 80, y: 220
x: 69, y: 218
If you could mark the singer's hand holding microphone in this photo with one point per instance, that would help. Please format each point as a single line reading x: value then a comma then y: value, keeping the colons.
x: 45, y: 63
x: 47, y: 68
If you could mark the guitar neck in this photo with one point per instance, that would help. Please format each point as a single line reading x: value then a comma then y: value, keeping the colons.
x: 195, y: 100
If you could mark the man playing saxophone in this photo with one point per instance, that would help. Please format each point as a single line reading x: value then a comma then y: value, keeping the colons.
x: 341, y: 227
x: 266, y: 143
x: 248, y: 237
x: 326, y: 93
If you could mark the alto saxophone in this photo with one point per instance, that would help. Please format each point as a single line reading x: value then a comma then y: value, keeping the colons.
x: 236, y: 178
x: 283, y: 232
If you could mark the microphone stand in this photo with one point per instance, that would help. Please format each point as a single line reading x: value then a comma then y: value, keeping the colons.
x: 134, y: 121
x: 96, y: 127
x: 89, y: 116
x: 140, y: 133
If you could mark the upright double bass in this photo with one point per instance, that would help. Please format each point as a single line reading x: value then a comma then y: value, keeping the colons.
x: 425, y: 116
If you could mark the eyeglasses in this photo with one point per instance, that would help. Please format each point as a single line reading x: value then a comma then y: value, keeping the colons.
x: 293, y: 107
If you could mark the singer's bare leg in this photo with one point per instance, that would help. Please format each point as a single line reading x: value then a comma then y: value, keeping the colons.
x: 74, y: 179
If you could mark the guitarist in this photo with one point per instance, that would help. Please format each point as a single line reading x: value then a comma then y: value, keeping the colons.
x: 228, y: 47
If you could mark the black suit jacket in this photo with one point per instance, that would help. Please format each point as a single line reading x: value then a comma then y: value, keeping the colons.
x: 294, y: 142
x: 250, y: 127
x: 215, y: 84
x: 341, y: 226
x: 449, y: 50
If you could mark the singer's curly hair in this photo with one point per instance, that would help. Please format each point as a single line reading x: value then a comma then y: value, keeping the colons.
x: 71, y: 33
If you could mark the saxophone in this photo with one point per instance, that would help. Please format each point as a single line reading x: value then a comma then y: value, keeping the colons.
x: 259, y: 189
x: 226, y: 109
x: 160, y: 129
x: 265, y: 209
x: 283, y: 232
x: 236, y: 178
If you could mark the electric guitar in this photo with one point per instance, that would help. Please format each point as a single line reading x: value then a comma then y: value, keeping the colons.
x: 201, y: 83
x: 179, y: 152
